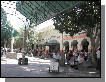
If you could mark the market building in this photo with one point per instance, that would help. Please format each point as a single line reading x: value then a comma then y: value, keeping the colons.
x: 55, y: 41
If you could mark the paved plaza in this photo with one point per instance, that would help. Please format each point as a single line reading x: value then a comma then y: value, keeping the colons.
x: 38, y: 67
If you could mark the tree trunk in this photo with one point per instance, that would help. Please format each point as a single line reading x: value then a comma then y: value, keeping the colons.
x: 94, y: 63
x: 5, y: 42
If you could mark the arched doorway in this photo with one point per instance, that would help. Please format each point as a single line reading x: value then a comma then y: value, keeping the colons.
x: 74, y: 44
x: 66, y: 44
x: 85, y: 44
x: 54, y: 45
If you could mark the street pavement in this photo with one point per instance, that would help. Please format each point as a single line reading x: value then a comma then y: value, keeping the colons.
x: 38, y: 67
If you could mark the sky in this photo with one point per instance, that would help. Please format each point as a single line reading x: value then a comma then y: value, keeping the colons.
x: 17, y: 17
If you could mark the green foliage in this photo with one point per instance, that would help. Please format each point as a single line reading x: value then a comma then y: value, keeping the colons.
x: 3, y: 17
x: 18, y: 40
x: 6, y: 31
x: 15, y: 33
x: 6, y: 28
x: 32, y: 36
x: 84, y: 17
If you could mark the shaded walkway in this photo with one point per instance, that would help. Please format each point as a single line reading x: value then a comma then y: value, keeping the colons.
x: 39, y: 68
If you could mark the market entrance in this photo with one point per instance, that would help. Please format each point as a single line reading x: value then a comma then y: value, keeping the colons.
x: 54, y: 48
x: 54, y: 45
x: 74, y: 44
x: 85, y: 44
x: 66, y: 44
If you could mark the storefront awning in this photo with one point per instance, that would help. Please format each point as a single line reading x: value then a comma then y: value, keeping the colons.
x: 51, y: 42
x: 45, y: 44
x: 74, y: 43
x: 40, y: 11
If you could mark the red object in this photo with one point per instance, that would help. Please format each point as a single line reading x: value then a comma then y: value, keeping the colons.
x: 79, y: 36
x: 61, y: 50
x: 71, y: 51
x: 72, y: 58
x: 47, y: 51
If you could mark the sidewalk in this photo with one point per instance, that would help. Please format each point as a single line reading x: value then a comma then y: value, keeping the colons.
x: 38, y: 67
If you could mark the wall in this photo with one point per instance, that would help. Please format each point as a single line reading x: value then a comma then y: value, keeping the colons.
x: 52, y: 34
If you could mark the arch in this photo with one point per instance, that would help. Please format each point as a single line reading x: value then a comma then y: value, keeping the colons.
x: 54, y: 45
x: 66, y: 44
x: 52, y: 42
x: 74, y: 44
x: 84, y: 44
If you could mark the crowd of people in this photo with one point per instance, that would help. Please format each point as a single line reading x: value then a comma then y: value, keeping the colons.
x: 75, y: 58
x: 72, y: 57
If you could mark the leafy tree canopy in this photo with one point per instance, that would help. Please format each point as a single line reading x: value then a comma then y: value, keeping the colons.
x: 6, y: 28
x: 3, y: 17
x: 83, y: 16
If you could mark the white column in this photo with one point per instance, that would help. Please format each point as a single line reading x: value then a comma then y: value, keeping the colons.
x: 12, y: 41
x: 70, y: 45
x: 61, y: 47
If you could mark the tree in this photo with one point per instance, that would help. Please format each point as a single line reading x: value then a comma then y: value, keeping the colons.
x: 6, y: 29
x: 82, y: 17
x: 3, y: 17
x: 33, y: 37
x: 3, y: 23
x: 18, y: 40
x: 6, y: 33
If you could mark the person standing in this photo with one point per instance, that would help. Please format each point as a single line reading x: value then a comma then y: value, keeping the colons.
x: 80, y: 59
x: 54, y: 55
x: 68, y: 56
x: 58, y: 57
x: 20, y: 50
x: 75, y: 53
x: 98, y: 59
x: 86, y: 56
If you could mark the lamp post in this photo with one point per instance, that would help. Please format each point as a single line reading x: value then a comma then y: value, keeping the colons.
x: 25, y: 32
x: 24, y: 42
x: 62, y: 43
x: 24, y: 60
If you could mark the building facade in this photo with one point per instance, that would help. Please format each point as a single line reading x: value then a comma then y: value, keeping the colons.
x: 57, y: 41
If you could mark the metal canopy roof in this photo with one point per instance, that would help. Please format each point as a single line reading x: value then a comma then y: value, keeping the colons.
x: 40, y: 11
